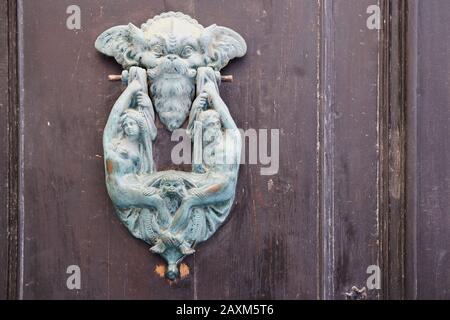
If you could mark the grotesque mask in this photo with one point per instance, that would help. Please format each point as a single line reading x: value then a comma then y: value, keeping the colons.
x: 172, y: 46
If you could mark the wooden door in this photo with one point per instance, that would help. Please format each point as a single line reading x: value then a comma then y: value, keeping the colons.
x: 363, y: 178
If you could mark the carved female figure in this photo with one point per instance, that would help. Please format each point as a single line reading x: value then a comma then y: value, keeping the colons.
x: 127, y: 143
x: 217, y: 137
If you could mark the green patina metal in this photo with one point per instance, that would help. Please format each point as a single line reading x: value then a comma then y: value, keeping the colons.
x: 172, y: 211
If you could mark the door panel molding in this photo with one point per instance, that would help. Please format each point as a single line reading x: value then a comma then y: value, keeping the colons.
x: 377, y: 235
x: 9, y: 151
x: 428, y: 151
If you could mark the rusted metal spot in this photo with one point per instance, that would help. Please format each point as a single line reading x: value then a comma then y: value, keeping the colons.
x: 109, y: 166
x: 160, y: 270
x: 214, y: 188
x: 184, y: 270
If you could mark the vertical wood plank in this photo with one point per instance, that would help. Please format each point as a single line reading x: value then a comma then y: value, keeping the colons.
x: 412, y: 151
x: 350, y: 111
x: 267, y: 250
x: 268, y: 247
x: 68, y: 218
x: 429, y: 151
x: 4, y: 159
x: 8, y: 151
x: 392, y: 200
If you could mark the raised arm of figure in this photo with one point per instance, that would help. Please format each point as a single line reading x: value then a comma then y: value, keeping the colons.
x: 219, y: 105
x: 144, y: 102
x: 119, y: 107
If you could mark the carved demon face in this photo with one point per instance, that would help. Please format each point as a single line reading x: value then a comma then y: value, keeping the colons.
x: 173, y: 186
x: 171, y: 47
x: 173, y: 190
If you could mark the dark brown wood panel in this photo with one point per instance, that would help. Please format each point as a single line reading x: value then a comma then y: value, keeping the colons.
x: 392, y: 128
x: 4, y: 159
x: 268, y: 247
x: 8, y: 151
x: 68, y: 218
x: 363, y: 177
x: 351, y: 110
x: 428, y: 184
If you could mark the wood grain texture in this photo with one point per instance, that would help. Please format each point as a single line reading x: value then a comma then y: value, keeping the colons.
x: 8, y: 151
x: 364, y: 172
x: 351, y: 154
x: 428, y: 169
x: 392, y: 128
x: 269, y: 245
x: 267, y: 249
x: 4, y: 159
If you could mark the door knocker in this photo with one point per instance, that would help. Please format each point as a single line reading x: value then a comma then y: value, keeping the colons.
x: 171, y: 65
